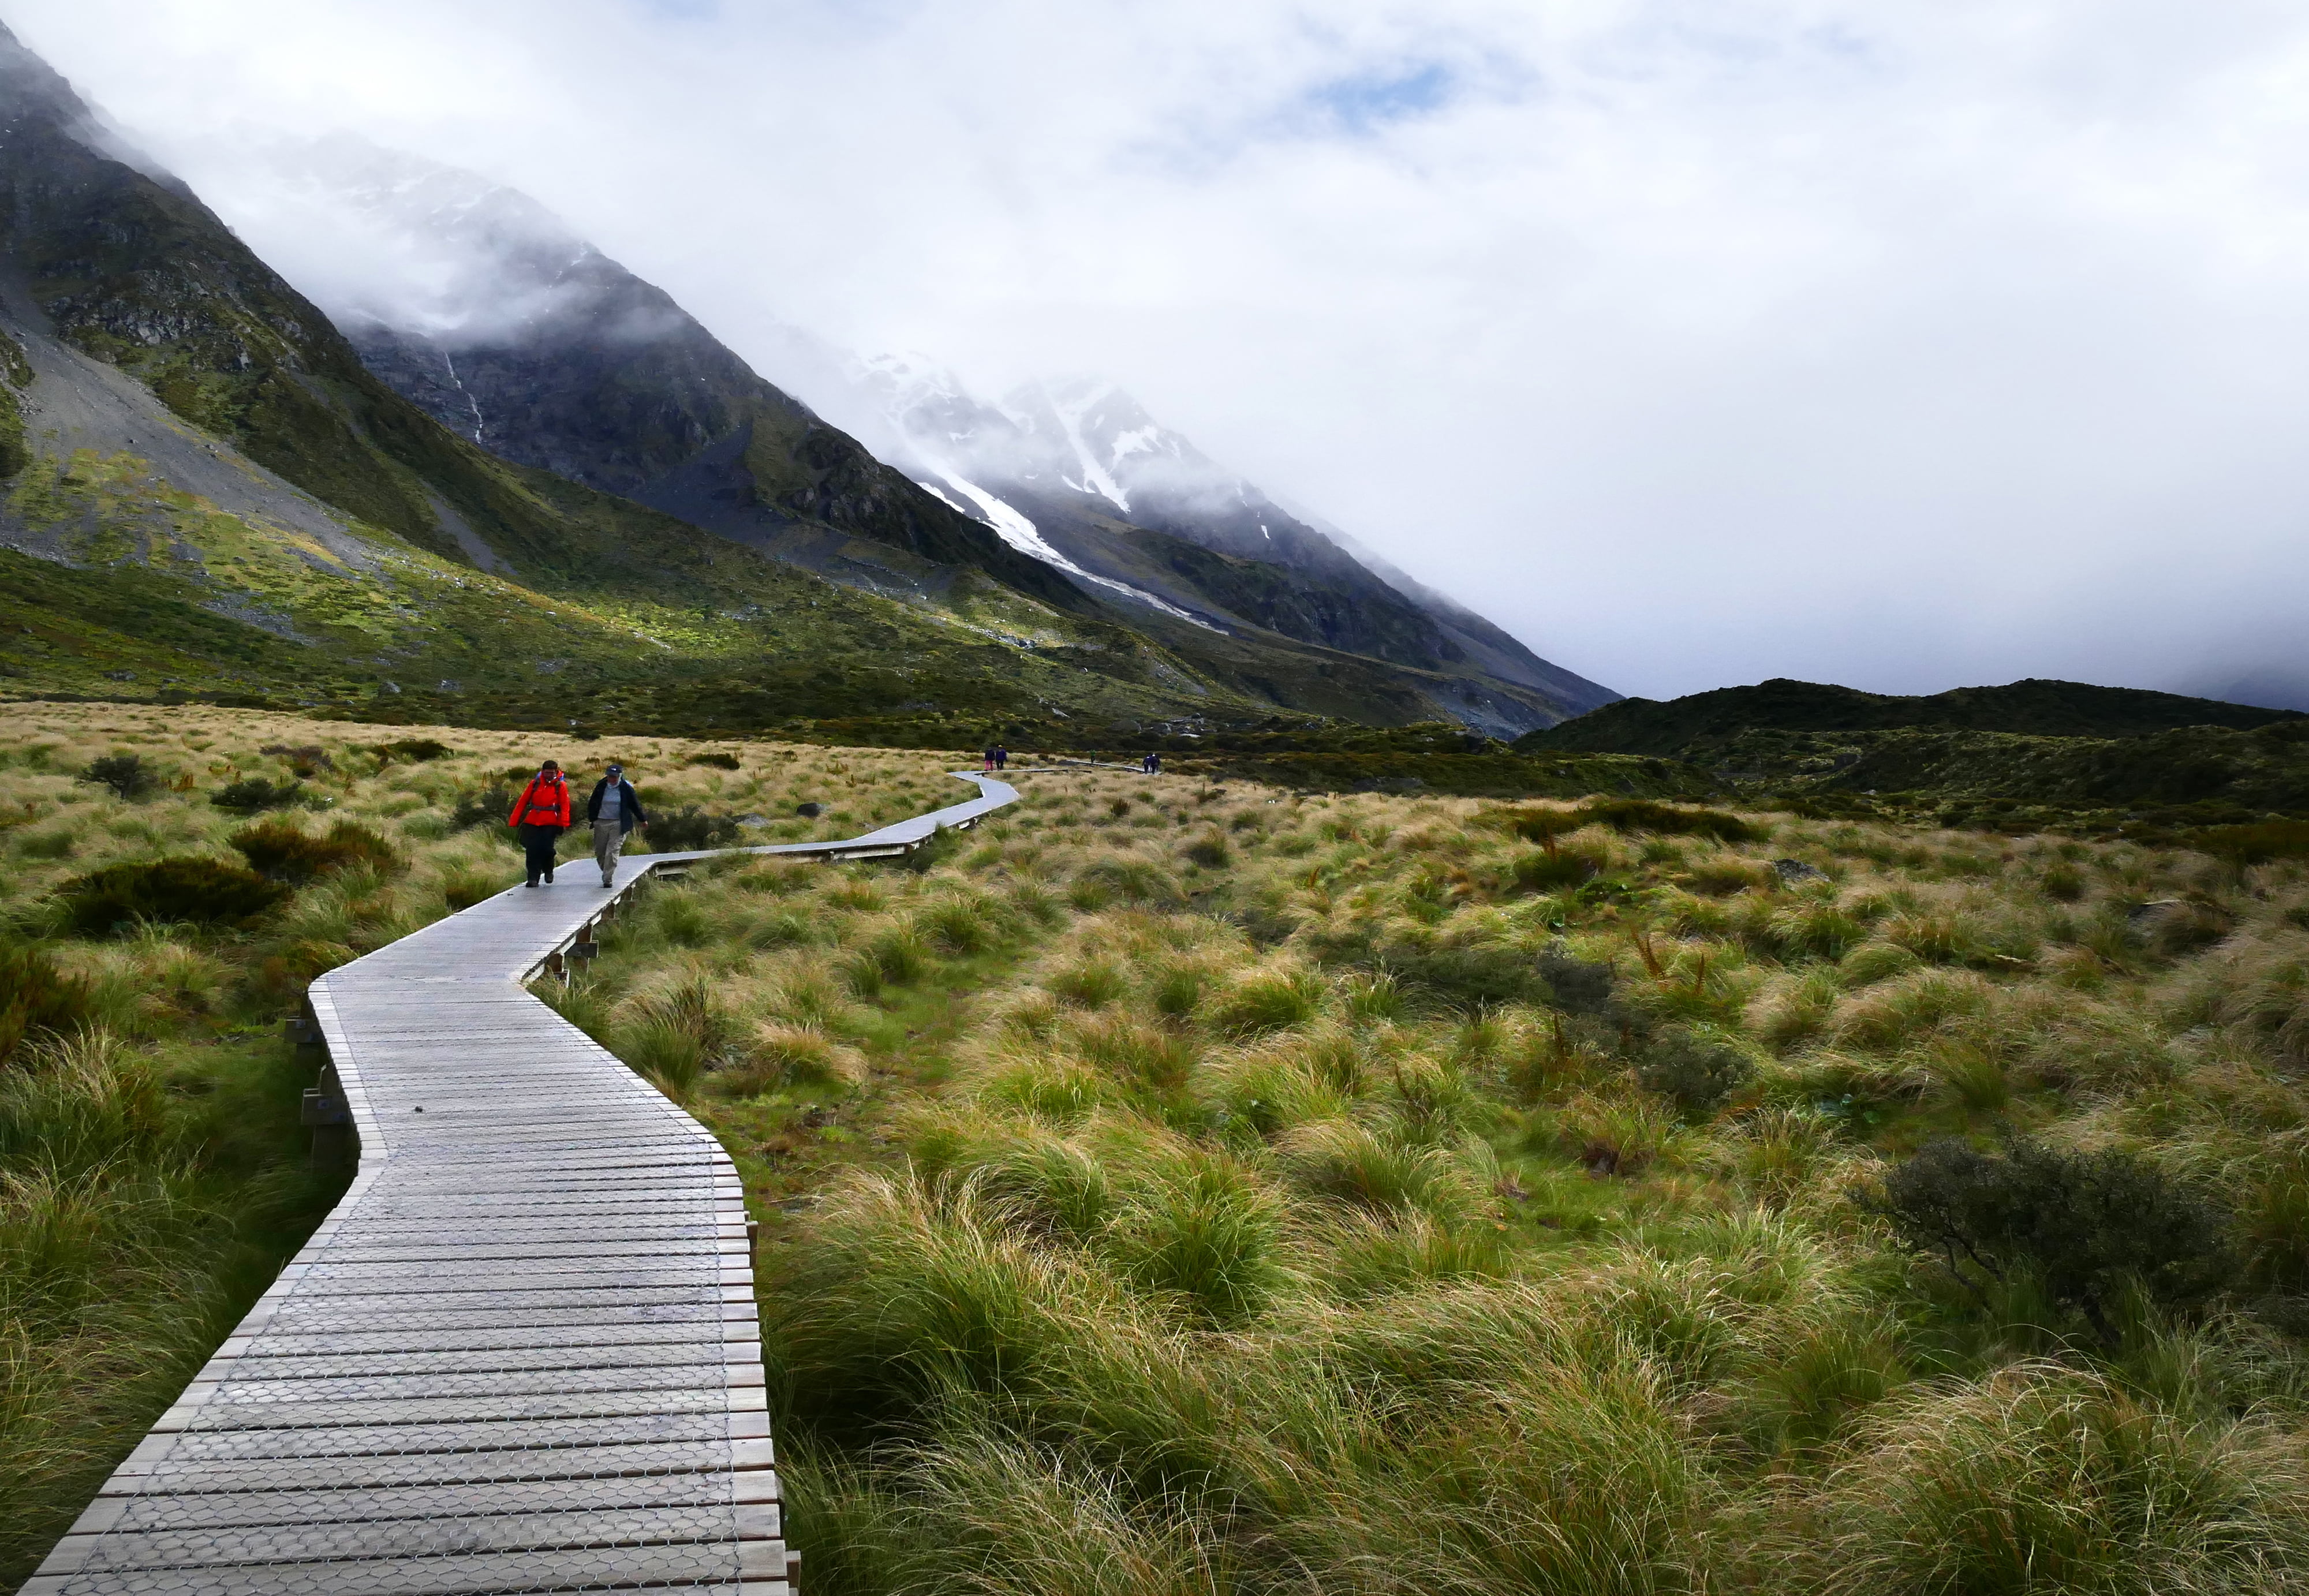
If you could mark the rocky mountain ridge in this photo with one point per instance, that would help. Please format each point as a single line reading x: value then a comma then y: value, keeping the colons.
x: 1080, y: 467
x: 522, y: 334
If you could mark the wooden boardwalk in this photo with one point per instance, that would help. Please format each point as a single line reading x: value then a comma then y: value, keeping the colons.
x: 521, y: 1354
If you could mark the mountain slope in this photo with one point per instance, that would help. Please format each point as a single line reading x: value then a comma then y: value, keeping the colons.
x: 562, y: 361
x: 192, y: 453
x: 1085, y: 467
x: 532, y: 343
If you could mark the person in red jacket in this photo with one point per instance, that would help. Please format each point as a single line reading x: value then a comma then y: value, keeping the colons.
x: 539, y: 815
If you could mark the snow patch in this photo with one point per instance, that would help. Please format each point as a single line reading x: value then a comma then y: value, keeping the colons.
x: 1139, y: 440
x: 1096, y: 479
x: 1022, y: 535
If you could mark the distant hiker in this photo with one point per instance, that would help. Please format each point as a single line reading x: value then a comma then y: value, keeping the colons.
x: 1001, y: 758
x: 539, y: 815
x: 615, y: 808
x: 1152, y: 764
x: 990, y: 759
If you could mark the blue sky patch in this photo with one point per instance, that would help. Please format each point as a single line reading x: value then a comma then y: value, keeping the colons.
x: 1368, y: 102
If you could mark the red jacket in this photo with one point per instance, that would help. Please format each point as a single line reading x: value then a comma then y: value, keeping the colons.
x: 545, y: 801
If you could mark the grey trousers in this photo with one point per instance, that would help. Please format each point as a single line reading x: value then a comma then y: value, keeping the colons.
x: 608, y: 840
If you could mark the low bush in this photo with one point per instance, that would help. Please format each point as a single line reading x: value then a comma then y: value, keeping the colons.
x: 126, y: 774
x: 191, y: 889
x: 1696, y: 1067
x: 255, y: 795
x: 1207, y: 1235
x: 689, y: 827
x: 2082, y: 1224
x: 1577, y: 986
x: 37, y: 998
x: 304, y: 761
x: 1535, y: 823
x: 284, y: 850
x: 1465, y: 978
x: 462, y: 887
x: 490, y: 802
x: 2255, y: 845
x: 715, y: 761
x: 1645, y: 815
x: 415, y: 750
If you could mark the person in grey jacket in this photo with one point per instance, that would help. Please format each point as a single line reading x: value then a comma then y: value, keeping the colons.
x: 614, y: 809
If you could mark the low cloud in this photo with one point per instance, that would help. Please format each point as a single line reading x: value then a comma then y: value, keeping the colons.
x: 1901, y: 344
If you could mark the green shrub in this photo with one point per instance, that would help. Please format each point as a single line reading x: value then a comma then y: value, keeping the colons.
x: 255, y: 795
x: 1698, y: 1068
x: 896, y: 955
x: 488, y: 805
x: 688, y: 828
x: 2082, y: 1224
x: 416, y: 750
x: 1645, y: 815
x: 1482, y: 976
x: 1576, y: 986
x: 200, y: 891
x: 1535, y: 824
x: 961, y: 927
x: 720, y: 762
x: 126, y: 774
x: 1873, y: 961
x: 1816, y: 928
x: 304, y: 761
x: 2063, y: 882
x: 2255, y: 845
x: 285, y: 852
x: 35, y: 997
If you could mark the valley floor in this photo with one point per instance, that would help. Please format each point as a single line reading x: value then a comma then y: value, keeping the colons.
x: 1181, y: 1187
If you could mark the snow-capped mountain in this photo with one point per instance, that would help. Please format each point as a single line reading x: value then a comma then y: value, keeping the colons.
x: 1077, y: 472
x: 500, y: 322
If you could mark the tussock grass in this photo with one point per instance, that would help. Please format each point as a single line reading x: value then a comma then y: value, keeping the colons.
x: 1252, y: 1193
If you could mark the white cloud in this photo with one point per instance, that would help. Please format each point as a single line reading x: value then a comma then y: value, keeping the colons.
x: 1905, y: 343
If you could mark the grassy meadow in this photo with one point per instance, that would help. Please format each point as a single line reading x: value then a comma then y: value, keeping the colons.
x: 1177, y: 1187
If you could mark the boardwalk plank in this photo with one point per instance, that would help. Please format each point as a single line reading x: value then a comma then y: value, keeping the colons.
x: 521, y: 1355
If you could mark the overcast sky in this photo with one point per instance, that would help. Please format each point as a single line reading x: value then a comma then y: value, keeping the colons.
x: 1903, y: 343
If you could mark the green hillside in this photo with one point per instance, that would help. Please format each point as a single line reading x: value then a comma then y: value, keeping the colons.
x: 1703, y: 726
x: 207, y: 495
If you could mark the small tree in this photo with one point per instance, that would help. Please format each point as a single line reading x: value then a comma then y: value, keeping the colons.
x: 126, y: 774
x: 2082, y: 1222
x: 255, y: 795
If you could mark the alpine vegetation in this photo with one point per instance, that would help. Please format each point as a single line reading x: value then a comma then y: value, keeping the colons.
x: 1173, y: 1185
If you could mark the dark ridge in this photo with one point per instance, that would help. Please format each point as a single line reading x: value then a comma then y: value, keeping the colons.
x: 1698, y: 725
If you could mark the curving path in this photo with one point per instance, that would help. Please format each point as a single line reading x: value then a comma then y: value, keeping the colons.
x: 521, y: 1354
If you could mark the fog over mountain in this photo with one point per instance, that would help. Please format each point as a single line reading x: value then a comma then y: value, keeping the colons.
x: 1903, y: 344
x: 494, y: 318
